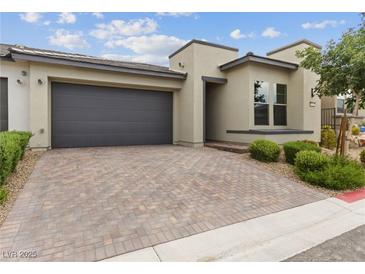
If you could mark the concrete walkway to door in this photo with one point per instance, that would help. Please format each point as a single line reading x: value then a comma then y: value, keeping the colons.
x: 89, y: 204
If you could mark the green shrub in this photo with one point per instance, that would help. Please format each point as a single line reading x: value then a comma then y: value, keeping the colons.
x: 362, y: 156
x: 309, y: 160
x: 355, y: 130
x: 292, y: 148
x: 3, y: 195
x: 12, y: 147
x: 328, y: 138
x: 310, y: 142
x: 338, y: 173
x: 265, y: 151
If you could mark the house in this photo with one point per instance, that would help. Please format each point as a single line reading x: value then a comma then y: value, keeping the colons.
x: 333, y: 108
x: 207, y: 93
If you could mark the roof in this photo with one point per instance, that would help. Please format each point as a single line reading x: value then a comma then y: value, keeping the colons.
x: 57, y: 57
x: 302, y: 41
x: 202, y: 43
x: 258, y: 59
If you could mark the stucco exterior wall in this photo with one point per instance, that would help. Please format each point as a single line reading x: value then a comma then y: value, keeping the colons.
x: 18, y: 94
x: 198, y: 60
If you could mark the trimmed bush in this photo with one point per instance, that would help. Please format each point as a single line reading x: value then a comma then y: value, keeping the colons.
x: 309, y: 160
x: 362, y: 156
x: 355, y: 130
x: 310, y: 142
x: 3, y: 195
x: 265, y: 151
x: 292, y: 148
x: 328, y: 138
x: 12, y: 147
x: 338, y: 173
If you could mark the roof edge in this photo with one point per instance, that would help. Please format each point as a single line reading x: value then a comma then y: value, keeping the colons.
x: 85, y: 64
x: 301, y: 41
x: 205, y: 43
x: 258, y: 59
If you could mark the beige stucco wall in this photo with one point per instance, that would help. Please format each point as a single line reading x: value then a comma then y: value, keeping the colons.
x: 233, y: 103
x: 37, y: 103
x: 288, y: 54
x: 199, y: 60
x: 18, y: 94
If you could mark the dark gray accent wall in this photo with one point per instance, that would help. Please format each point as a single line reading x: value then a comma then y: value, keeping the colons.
x: 271, y: 131
x: 89, y: 116
x: 3, y: 104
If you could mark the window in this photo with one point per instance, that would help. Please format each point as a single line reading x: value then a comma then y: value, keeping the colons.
x: 3, y: 104
x: 261, y: 104
x: 280, y: 105
x: 270, y: 105
x: 340, y: 105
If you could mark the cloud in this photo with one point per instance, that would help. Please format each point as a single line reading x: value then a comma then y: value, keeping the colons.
x: 323, y: 24
x: 175, y: 14
x: 47, y: 23
x: 147, y: 49
x: 66, y: 18
x: 271, y: 32
x: 144, y: 58
x: 154, y: 44
x: 68, y: 39
x: 98, y: 15
x: 124, y: 28
x: 236, y: 34
x: 30, y: 17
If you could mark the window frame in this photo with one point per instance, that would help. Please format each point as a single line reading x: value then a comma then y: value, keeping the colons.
x: 271, y: 94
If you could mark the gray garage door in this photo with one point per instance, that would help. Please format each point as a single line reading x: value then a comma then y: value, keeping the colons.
x: 88, y: 116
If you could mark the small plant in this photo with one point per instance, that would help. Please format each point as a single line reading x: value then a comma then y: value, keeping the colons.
x: 3, y: 195
x: 336, y: 172
x: 309, y: 160
x: 355, y: 130
x: 265, y: 151
x: 362, y: 156
x: 292, y: 148
x: 328, y: 138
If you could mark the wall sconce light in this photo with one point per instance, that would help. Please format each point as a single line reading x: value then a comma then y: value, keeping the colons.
x: 312, y: 104
x: 312, y: 92
x: 40, y: 82
x: 20, y: 82
x: 24, y: 73
x: 181, y: 65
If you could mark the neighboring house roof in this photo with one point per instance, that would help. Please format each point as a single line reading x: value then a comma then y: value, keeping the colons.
x: 250, y: 57
x: 302, y: 41
x: 202, y: 43
x: 17, y: 52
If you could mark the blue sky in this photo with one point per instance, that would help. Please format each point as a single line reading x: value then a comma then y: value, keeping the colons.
x: 151, y: 37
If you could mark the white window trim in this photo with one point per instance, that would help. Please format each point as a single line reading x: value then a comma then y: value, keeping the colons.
x: 271, y: 106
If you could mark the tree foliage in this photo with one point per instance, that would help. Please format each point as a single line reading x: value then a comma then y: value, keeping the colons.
x: 340, y: 65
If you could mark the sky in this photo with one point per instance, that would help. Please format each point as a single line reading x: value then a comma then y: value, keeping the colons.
x: 151, y: 37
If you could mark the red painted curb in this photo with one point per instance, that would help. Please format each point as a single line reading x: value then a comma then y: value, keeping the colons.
x: 353, y: 196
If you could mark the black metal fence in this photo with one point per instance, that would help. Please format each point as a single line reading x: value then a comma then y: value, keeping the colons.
x: 328, y: 117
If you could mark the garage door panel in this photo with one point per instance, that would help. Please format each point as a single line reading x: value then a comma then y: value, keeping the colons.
x: 122, y: 115
x: 115, y: 103
x: 84, y: 116
x: 83, y: 128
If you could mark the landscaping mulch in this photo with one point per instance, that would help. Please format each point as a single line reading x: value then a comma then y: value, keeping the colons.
x: 16, y: 181
x: 286, y: 170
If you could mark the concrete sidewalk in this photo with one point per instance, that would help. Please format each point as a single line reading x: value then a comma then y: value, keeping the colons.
x: 274, y: 237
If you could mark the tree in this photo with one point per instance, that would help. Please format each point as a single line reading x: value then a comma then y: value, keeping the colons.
x: 341, y: 67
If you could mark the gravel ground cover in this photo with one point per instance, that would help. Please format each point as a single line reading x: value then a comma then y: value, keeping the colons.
x: 16, y: 181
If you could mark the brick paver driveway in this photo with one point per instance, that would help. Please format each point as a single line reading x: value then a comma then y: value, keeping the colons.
x: 92, y: 203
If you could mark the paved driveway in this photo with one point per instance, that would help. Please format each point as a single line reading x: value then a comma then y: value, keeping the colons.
x: 92, y: 203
